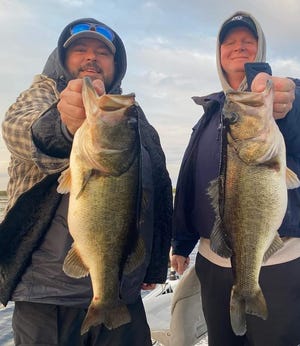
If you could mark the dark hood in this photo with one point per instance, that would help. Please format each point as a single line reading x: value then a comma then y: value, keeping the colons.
x: 55, y: 68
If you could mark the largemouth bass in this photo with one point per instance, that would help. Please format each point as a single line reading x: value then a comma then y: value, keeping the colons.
x: 250, y: 197
x: 103, y: 182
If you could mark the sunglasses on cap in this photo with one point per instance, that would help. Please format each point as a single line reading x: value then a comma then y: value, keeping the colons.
x: 93, y: 27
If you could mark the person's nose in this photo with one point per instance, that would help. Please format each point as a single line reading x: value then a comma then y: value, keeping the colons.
x: 91, y: 55
x: 239, y: 46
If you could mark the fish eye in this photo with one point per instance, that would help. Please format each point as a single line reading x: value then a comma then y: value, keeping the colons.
x: 232, y: 117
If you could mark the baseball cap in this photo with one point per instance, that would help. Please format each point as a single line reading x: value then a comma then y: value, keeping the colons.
x: 236, y: 21
x: 91, y: 30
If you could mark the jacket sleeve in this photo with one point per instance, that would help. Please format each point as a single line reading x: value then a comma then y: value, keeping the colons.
x: 162, y: 205
x: 184, y: 238
x: 290, y: 128
x: 50, y: 135
x: 290, y: 125
x: 18, y: 122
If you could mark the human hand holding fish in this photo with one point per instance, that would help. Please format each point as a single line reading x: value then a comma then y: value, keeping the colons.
x: 284, y: 93
x: 148, y: 287
x: 71, y: 106
x: 179, y: 263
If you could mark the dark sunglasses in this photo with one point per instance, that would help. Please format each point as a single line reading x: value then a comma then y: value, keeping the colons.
x: 107, y: 33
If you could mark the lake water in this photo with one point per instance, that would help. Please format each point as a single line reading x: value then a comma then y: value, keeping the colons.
x: 6, y: 336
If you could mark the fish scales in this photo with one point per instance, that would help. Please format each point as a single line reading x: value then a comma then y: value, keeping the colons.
x: 103, y: 182
x: 250, y: 198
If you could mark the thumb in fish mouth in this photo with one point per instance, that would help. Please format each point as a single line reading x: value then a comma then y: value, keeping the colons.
x: 260, y: 81
x: 99, y: 86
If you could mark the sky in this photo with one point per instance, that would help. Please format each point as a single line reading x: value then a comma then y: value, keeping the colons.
x: 170, y: 50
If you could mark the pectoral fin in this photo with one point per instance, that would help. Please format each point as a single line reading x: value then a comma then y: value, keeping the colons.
x: 88, y: 174
x: 292, y: 181
x: 64, y: 182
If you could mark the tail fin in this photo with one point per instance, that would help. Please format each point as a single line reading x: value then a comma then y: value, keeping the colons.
x: 111, y: 317
x: 239, y: 306
x: 256, y: 305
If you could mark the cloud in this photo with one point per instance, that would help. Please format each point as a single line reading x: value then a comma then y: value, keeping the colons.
x: 76, y: 3
x: 11, y: 11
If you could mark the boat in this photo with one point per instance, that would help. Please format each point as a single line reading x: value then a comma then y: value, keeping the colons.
x: 174, y: 310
